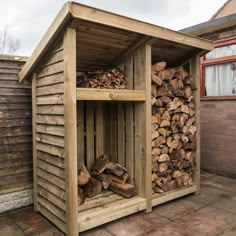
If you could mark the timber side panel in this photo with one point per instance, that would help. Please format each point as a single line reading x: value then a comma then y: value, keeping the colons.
x: 49, y: 170
x: 15, y: 129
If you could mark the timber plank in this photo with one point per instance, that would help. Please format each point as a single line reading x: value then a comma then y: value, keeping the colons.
x: 50, y: 99
x: 50, y: 119
x: 51, y: 169
x: 50, y: 89
x: 50, y: 129
x: 56, y: 151
x: 50, y: 139
x: 51, y: 159
x: 51, y: 79
x: 53, y: 179
x: 50, y: 110
x: 51, y: 69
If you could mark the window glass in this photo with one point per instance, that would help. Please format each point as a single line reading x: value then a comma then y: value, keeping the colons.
x: 220, y: 79
x: 225, y: 51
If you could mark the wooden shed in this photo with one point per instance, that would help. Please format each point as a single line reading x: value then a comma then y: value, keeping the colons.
x: 74, y: 125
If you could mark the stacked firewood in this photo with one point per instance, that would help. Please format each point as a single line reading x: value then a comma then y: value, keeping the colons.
x: 104, y: 175
x: 112, y: 79
x: 173, y: 128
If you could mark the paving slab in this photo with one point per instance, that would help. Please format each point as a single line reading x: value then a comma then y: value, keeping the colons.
x: 209, y: 221
x: 99, y: 231
x: 30, y: 222
x: 209, y: 195
x: 173, y: 229
x: 155, y: 219
x: 8, y: 227
x: 133, y: 225
x: 221, y: 182
x: 227, y: 204
x: 177, y: 208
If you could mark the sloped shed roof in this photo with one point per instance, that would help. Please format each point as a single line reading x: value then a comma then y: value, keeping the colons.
x: 120, y: 35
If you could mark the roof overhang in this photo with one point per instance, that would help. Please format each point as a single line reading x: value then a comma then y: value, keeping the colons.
x: 72, y: 10
x: 211, y: 26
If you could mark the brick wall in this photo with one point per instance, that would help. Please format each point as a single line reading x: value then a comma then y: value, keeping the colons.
x: 218, y: 137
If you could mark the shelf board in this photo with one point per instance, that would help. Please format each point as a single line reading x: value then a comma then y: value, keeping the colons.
x: 158, y: 199
x: 106, y: 207
x: 110, y: 95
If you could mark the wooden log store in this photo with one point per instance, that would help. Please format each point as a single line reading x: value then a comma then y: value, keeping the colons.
x: 75, y: 123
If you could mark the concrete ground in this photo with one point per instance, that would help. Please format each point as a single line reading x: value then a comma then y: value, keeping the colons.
x: 212, y: 213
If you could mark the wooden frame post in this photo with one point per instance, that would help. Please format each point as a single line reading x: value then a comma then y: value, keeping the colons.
x: 70, y: 132
x: 148, y: 112
x: 34, y: 139
x: 195, y: 72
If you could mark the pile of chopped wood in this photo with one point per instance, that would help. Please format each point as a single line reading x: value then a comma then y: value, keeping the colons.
x: 104, y: 175
x: 112, y: 79
x: 173, y: 128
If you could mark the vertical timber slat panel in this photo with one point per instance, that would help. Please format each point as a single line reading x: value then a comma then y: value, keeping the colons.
x: 113, y: 131
x: 147, y: 121
x: 99, y: 130
x: 121, y: 134
x: 69, y: 42
x: 80, y: 134
x: 90, y: 135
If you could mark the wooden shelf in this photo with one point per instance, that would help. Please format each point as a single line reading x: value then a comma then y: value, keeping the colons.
x: 158, y: 199
x: 110, y: 95
x: 107, y: 207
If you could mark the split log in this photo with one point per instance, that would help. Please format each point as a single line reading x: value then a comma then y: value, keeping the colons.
x: 155, y: 134
x: 165, y: 123
x: 156, y: 119
x: 120, y: 179
x: 158, y: 102
x: 167, y: 74
x: 100, y: 165
x: 126, y: 190
x: 158, y: 66
x: 116, y: 169
x: 92, y: 188
x: 105, y: 180
x: 164, y: 158
x: 158, y: 141
x: 83, y: 176
x: 156, y: 79
x: 81, y: 197
x: 156, y: 151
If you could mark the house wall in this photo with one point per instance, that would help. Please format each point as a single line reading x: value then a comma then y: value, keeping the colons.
x: 218, y: 139
x: 227, y: 9
x: 218, y: 124
x: 15, y: 136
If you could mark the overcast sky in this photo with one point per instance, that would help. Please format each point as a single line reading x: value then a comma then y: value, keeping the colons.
x: 29, y: 19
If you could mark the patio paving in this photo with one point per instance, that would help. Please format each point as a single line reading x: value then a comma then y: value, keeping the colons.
x: 211, y: 213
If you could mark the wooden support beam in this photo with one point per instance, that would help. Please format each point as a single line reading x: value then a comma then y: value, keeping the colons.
x: 195, y: 72
x: 69, y: 44
x: 110, y: 95
x: 148, y: 113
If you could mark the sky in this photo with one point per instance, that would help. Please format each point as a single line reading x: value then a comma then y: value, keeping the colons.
x: 28, y: 20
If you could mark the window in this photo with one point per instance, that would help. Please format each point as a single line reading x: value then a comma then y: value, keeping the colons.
x: 218, y: 70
